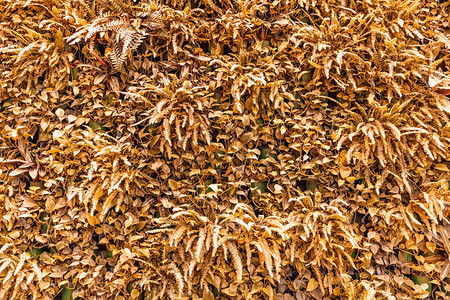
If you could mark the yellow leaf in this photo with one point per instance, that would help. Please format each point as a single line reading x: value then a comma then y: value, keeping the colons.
x: 373, y: 211
x: 55, y: 11
x: 136, y: 237
x: 336, y: 291
x: 128, y: 223
x: 141, y: 225
x: 173, y: 184
x: 134, y: 294
x: 58, y: 133
x: 345, y: 172
x: 44, y: 123
x: 60, y: 113
x: 351, y: 179
x: 433, y: 80
x: 92, y: 220
x: 268, y: 290
x: 312, y: 285
x: 207, y: 294
x: 431, y: 246
x: 71, y: 118
x: 283, y: 46
x: 441, y: 167
x: 49, y: 205
x: 194, y: 172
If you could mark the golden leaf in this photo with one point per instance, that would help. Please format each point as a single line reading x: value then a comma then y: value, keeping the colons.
x: 312, y: 285
x: 345, y: 171
x: 174, y: 185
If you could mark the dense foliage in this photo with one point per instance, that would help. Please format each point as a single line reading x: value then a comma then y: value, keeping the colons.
x: 234, y: 149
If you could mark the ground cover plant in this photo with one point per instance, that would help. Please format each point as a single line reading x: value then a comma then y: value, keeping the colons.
x: 234, y: 149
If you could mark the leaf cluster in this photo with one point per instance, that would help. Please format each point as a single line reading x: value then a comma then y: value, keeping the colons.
x: 210, y: 149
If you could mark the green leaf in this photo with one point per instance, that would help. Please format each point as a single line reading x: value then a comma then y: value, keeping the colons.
x: 130, y: 287
x: 95, y: 126
x: 67, y: 293
x: 264, y: 152
x: 310, y: 184
x: 419, y: 280
x: 35, y: 253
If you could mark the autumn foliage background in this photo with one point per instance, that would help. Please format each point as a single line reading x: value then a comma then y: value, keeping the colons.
x: 224, y: 149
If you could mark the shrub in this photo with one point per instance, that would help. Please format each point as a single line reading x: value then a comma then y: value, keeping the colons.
x: 224, y: 149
